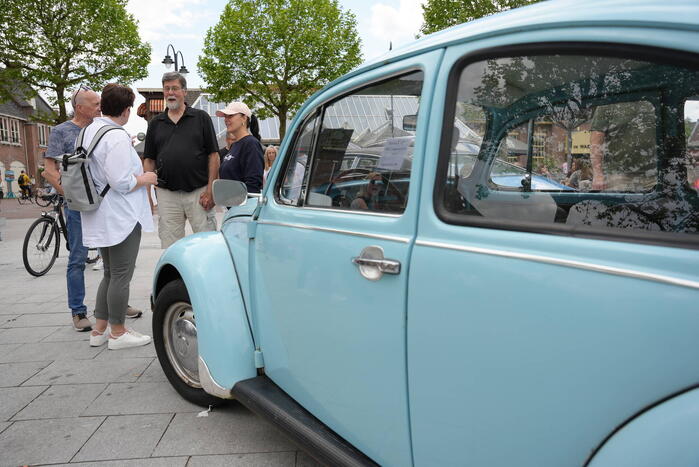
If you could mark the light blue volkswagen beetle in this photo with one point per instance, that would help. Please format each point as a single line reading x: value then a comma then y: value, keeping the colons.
x: 435, y: 317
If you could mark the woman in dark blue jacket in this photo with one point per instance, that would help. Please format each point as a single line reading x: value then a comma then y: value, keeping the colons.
x: 244, y: 160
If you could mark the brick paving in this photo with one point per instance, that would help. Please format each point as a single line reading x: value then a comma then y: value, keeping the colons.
x: 65, y: 403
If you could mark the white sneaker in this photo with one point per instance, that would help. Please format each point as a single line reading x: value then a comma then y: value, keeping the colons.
x: 130, y: 338
x: 99, y: 339
x: 98, y: 266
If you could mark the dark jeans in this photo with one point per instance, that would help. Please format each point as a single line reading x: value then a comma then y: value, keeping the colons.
x: 75, y: 275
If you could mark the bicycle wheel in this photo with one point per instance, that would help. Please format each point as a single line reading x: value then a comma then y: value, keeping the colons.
x: 21, y: 199
x: 40, y: 248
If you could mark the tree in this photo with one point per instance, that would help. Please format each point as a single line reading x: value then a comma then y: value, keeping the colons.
x: 56, y: 45
x: 276, y: 53
x: 441, y: 14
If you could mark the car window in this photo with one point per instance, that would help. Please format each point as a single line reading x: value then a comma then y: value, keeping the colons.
x: 577, y: 141
x: 293, y: 183
x: 363, y: 157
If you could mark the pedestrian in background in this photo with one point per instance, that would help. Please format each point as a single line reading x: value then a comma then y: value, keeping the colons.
x: 181, y: 147
x: 244, y: 161
x: 270, y: 155
x: 115, y: 226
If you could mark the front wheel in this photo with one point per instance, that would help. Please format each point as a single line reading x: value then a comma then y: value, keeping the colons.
x: 40, y: 248
x: 175, y: 338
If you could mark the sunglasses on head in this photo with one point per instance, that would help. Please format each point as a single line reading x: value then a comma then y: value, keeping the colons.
x: 82, y: 87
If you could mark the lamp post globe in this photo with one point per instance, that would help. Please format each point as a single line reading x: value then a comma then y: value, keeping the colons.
x: 167, y: 61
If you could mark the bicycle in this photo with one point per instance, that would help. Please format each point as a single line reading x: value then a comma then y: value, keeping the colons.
x: 43, y: 239
x: 24, y: 198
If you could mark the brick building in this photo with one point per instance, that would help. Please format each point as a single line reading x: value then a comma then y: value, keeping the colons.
x: 24, y: 134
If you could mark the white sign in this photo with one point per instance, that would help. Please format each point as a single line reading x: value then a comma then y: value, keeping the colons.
x: 395, y: 151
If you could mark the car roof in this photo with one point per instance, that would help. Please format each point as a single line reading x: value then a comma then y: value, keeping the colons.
x: 675, y: 14
x: 660, y: 14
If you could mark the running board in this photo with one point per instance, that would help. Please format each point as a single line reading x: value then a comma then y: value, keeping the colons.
x: 263, y: 397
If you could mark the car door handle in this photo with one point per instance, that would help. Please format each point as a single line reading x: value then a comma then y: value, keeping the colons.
x: 373, y: 265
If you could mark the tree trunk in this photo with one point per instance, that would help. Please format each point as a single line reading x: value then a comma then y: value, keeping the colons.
x: 62, y: 114
x: 283, y: 110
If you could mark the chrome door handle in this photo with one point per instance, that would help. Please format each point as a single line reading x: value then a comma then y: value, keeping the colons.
x: 373, y: 265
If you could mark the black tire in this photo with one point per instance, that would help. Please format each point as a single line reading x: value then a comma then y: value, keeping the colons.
x: 21, y: 199
x: 173, y: 309
x: 40, y: 248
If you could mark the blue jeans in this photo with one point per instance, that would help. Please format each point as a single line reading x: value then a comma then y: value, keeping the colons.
x: 75, y: 275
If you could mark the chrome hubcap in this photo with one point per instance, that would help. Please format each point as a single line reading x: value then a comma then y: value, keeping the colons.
x: 180, y: 331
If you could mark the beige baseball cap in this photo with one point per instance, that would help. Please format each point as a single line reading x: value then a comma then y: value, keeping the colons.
x: 234, y: 108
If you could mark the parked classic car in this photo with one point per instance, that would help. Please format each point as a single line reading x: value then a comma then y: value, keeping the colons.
x: 474, y: 322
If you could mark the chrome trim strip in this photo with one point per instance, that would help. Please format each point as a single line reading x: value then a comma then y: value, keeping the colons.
x: 209, y: 385
x: 345, y: 232
x: 347, y: 211
x: 567, y: 263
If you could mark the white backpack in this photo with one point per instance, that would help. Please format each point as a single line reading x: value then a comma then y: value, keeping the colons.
x: 76, y: 179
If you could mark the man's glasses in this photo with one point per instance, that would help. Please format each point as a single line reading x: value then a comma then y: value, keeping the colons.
x: 73, y: 98
x: 171, y: 88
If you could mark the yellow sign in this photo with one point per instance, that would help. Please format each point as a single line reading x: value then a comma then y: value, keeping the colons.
x: 581, y: 142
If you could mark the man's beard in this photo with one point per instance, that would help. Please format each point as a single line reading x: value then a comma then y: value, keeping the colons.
x: 172, y: 104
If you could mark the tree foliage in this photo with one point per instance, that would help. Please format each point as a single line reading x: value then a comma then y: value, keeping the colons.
x: 56, y: 45
x: 276, y: 53
x: 441, y: 14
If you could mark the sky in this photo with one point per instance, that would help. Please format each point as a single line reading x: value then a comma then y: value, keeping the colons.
x: 184, y: 23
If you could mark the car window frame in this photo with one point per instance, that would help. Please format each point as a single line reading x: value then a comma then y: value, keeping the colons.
x: 658, y: 55
x: 319, y: 111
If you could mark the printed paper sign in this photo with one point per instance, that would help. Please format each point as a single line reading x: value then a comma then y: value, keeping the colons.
x: 395, y: 151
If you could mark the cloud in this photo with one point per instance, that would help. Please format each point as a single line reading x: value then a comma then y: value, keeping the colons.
x: 397, y: 25
x: 160, y: 19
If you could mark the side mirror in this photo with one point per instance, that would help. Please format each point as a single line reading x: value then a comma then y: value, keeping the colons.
x: 410, y: 122
x: 229, y: 192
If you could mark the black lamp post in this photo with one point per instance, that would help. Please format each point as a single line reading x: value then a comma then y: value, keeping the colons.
x: 167, y: 61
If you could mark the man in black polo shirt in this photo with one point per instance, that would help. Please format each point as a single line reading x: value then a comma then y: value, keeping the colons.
x: 181, y: 147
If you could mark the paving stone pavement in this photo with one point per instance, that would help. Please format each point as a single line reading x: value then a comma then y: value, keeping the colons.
x: 63, y: 402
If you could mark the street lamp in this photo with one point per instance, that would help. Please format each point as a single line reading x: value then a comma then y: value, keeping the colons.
x: 167, y: 61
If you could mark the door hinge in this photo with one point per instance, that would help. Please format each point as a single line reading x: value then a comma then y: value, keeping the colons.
x: 252, y: 229
x: 259, y: 359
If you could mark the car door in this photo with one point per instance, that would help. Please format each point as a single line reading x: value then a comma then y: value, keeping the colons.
x: 543, y: 316
x: 331, y: 325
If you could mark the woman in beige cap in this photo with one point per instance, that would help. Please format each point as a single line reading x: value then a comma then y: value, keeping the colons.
x: 244, y: 160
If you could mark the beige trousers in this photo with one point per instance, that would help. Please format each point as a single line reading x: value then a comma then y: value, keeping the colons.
x: 174, y: 208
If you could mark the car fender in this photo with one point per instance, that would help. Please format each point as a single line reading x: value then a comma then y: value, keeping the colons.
x: 664, y: 435
x: 226, y: 350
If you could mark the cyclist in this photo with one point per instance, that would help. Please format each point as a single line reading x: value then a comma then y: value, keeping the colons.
x: 24, y: 185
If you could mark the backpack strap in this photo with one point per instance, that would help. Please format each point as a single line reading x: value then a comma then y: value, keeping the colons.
x: 95, y: 141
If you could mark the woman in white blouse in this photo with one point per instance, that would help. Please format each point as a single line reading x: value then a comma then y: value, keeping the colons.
x: 115, y: 227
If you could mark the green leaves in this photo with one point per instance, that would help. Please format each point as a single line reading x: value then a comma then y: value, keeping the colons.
x: 441, y: 14
x: 56, y: 45
x: 276, y: 53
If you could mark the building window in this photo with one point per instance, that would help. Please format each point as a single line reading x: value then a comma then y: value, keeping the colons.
x: 14, y: 132
x: 10, y: 130
x: 4, y: 130
x: 43, y: 134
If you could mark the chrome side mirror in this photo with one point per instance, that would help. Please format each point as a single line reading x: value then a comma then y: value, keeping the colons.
x: 229, y: 192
